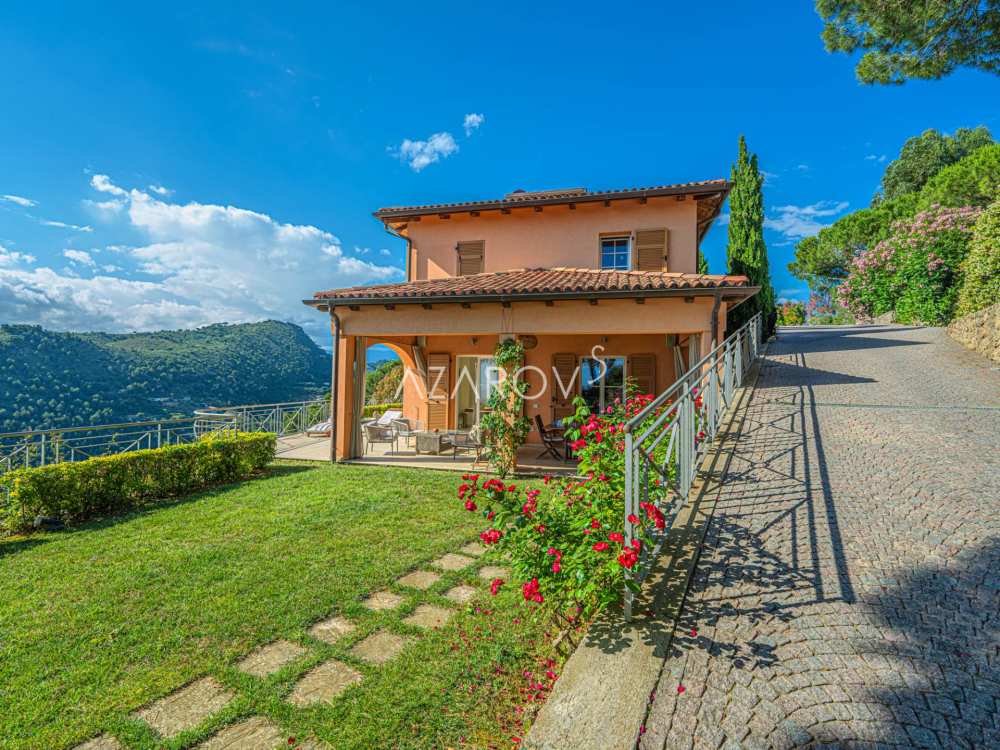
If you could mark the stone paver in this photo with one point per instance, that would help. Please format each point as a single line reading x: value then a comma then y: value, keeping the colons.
x: 462, y: 594
x: 102, y: 742
x: 473, y: 548
x: 452, y: 561
x: 419, y: 579
x: 848, y: 592
x: 429, y: 616
x: 270, y: 658
x: 186, y: 708
x: 323, y: 683
x: 380, y: 647
x: 256, y: 733
x: 382, y: 600
x: 332, y: 630
x: 489, y: 572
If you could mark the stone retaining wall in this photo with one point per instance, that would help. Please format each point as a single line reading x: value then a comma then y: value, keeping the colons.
x: 979, y: 331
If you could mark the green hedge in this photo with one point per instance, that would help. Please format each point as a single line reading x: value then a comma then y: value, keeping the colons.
x: 109, y: 485
x: 376, y: 410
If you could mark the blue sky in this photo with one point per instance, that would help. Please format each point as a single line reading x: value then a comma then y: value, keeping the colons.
x: 175, y: 166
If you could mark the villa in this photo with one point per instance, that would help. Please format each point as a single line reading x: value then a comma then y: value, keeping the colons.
x: 599, y: 286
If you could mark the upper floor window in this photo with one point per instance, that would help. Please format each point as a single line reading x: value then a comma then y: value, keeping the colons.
x: 616, y: 253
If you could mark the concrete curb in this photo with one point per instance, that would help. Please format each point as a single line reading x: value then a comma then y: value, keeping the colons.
x: 602, y: 697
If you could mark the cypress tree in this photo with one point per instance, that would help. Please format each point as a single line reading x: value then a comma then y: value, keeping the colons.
x: 746, y: 253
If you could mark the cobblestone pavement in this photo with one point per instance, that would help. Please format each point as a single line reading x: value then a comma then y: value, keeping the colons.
x: 847, y: 594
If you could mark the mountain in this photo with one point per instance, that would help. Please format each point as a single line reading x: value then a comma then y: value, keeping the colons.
x: 50, y: 379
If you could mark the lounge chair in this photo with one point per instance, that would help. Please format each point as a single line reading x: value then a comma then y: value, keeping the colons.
x: 407, y: 430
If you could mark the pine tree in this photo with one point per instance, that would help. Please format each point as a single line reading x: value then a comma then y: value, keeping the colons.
x: 747, y: 253
x: 702, y: 262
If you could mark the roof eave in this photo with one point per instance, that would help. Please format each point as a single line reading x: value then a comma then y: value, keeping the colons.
x: 425, y: 299
x: 388, y: 214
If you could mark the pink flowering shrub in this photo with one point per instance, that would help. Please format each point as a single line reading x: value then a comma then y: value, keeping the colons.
x: 916, y: 271
x: 565, y: 541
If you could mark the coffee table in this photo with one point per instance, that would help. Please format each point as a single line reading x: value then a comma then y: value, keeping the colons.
x: 433, y: 442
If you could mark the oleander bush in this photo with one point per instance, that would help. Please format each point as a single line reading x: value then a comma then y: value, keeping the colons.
x: 916, y: 272
x: 109, y: 485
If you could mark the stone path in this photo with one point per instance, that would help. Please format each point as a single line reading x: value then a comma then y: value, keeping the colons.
x: 848, y: 593
x: 190, y: 706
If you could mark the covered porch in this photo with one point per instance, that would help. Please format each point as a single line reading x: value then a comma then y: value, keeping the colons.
x: 606, y: 331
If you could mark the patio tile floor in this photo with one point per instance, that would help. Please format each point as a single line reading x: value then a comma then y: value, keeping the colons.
x: 489, y: 572
x: 429, y: 616
x: 382, y: 600
x: 462, y: 594
x: 102, y: 742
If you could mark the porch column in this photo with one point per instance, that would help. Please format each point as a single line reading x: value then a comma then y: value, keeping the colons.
x: 345, y: 397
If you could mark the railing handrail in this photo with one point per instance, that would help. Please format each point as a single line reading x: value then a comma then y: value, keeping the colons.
x: 91, y: 428
x: 697, y: 403
x: 211, y: 410
x: 659, y: 400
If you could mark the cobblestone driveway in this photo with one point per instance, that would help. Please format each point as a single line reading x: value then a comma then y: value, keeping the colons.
x: 848, y: 591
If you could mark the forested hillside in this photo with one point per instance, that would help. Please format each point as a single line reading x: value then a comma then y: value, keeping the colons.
x: 50, y: 379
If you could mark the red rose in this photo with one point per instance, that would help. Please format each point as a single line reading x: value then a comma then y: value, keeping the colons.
x: 495, y: 585
x: 470, y: 505
x: 628, y: 558
x: 614, y: 536
x: 491, y: 536
x: 600, y: 546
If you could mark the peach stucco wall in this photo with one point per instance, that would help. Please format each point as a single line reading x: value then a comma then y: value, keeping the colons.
x: 554, y: 237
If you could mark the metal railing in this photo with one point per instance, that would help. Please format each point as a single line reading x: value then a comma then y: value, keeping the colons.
x: 43, y: 447
x: 667, y: 441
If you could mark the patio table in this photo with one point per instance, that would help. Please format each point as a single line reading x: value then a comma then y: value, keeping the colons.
x: 432, y: 442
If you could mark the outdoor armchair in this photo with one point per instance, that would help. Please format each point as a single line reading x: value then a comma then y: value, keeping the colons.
x: 376, y: 433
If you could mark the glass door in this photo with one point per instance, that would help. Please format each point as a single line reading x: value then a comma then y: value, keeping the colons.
x: 477, y: 377
x: 603, y: 380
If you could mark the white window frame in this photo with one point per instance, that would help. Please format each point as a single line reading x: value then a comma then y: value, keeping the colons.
x: 628, y: 251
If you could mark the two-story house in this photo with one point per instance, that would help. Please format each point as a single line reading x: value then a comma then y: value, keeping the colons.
x: 599, y: 286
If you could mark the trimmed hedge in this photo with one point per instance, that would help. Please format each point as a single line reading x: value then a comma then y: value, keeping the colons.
x: 109, y: 485
x: 377, y: 410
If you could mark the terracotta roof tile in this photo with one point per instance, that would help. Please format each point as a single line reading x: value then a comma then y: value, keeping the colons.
x: 564, y: 282
x: 547, y: 197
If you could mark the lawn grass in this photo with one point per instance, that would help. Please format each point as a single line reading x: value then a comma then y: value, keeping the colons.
x: 98, y: 621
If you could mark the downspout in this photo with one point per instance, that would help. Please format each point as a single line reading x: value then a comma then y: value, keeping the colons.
x: 334, y: 383
x: 715, y: 319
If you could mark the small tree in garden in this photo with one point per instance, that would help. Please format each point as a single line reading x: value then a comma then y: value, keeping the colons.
x: 791, y: 313
x: 504, y: 424
x: 566, y: 541
x: 916, y: 271
x: 823, y: 308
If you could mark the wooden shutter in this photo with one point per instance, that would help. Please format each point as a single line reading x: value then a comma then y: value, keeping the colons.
x: 438, y: 383
x: 650, y: 249
x: 642, y: 373
x: 564, y: 377
x: 470, y: 257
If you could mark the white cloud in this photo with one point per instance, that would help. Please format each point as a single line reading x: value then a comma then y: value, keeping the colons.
x: 796, y: 294
x: 102, y: 183
x: 160, y: 190
x: 802, y: 167
x: 64, y: 225
x: 25, y: 202
x: 472, y: 122
x: 796, y: 222
x: 14, y: 258
x: 203, y: 263
x: 723, y: 220
x: 769, y: 177
x: 79, y: 256
x: 419, y: 154
x: 875, y: 157
x: 385, y: 252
